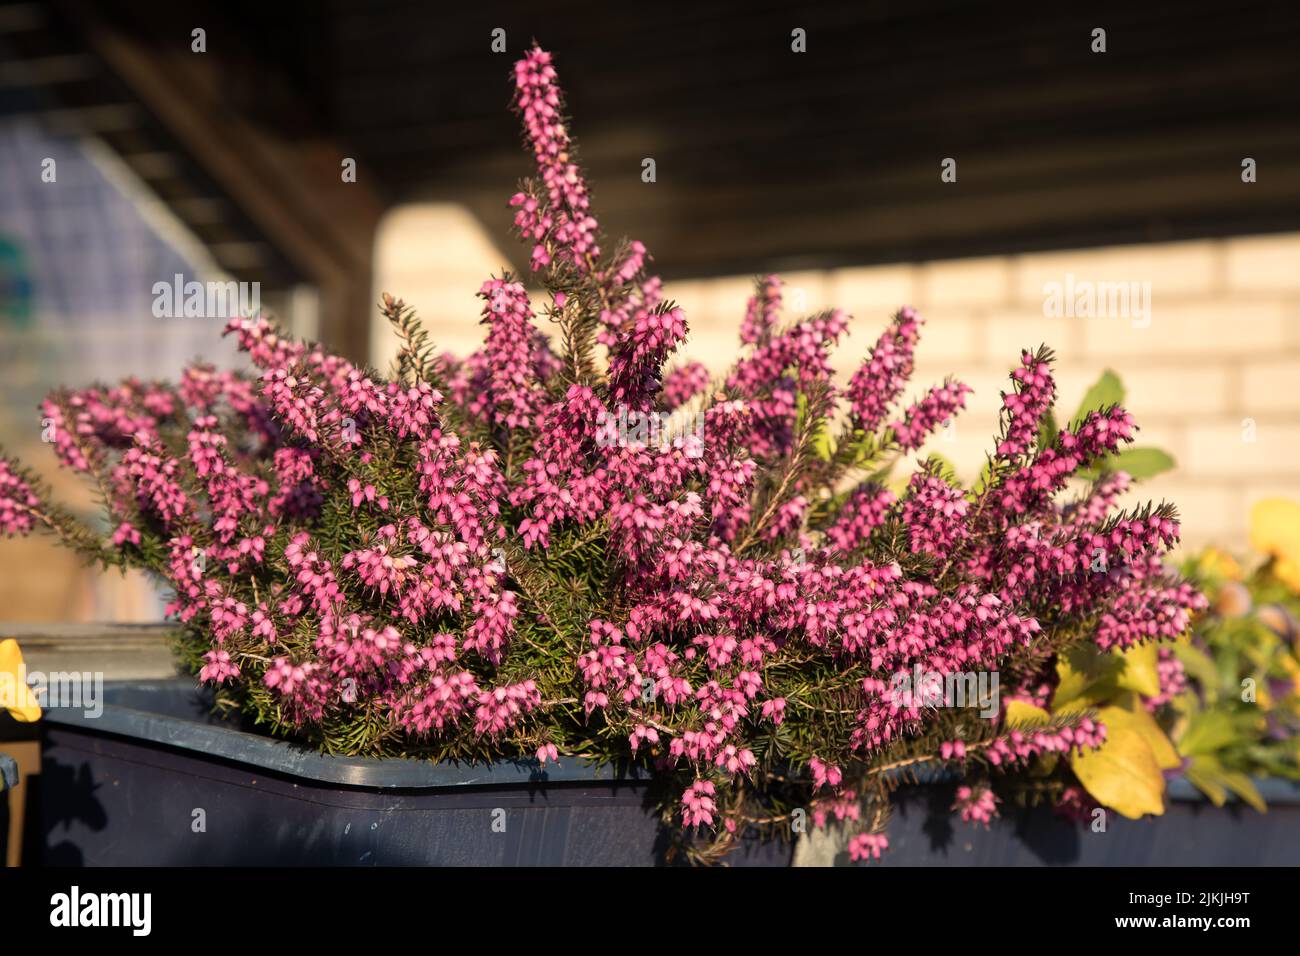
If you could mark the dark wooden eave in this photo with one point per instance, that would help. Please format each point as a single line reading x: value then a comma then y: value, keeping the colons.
x: 766, y: 159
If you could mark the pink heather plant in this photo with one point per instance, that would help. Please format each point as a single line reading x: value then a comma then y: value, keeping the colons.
x: 467, y: 560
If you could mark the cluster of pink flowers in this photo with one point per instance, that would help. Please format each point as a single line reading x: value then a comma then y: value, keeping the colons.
x: 976, y: 804
x: 1172, y: 676
x: 471, y: 558
x: 878, y: 382
x: 514, y: 396
x: 770, y: 379
x: 698, y: 805
x: 18, y: 503
x: 937, y: 408
x: 684, y: 383
x: 559, y: 221
x: 1021, y: 746
x: 762, y: 312
x: 935, y: 515
x: 1025, y: 407
x: 867, y: 846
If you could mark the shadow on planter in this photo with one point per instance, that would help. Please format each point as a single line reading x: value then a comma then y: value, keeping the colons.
x: 157, y: 780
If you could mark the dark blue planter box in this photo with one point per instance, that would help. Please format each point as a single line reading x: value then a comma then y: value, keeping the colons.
x: 1191, y: 832
x: 124, y: 788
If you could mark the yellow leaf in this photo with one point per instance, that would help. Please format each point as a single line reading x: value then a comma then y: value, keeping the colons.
x: 1275, y: 527
x: 1086, y: 678
x: 1140, y: 673
x: 1123, y: 773
x: 15, y: 696
x: 1138, y: 720
x: 1020, y: 712
x: 1070, y: 684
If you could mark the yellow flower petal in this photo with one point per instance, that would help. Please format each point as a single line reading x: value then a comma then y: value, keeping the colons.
x: 1288, y: 572
x: 1220, y: 564
x: 1275, y: 527
x: 15, y: 696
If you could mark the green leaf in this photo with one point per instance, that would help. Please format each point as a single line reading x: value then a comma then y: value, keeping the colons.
x: 1047, y: 429
x: 1206, y: 775
x: 1200, y: 666
x: 800, y: 411
x: 820, y: 437
x: 1244, y: 787
x: 1215, y: 780
x: 881, y: 476
x: 947, y: 470
x: 1141, y: 463
x: 864, y: 450
x: 823, y: 444
x: 1105, y: 392
x: 1207, y: 732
